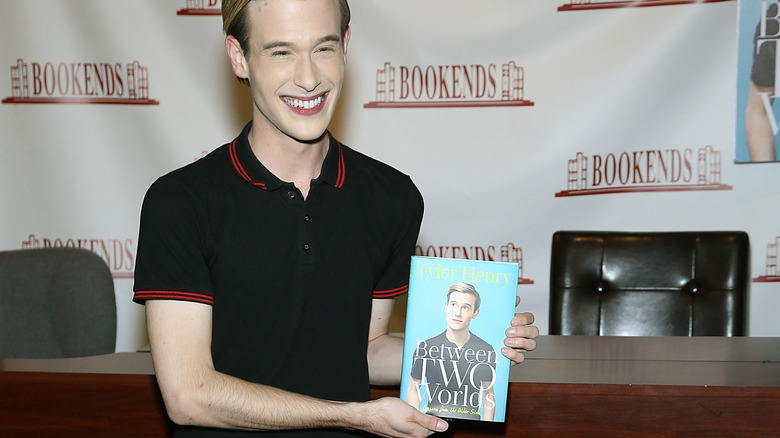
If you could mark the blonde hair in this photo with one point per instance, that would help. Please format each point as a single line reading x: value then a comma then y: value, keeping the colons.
x: 235, y: 20
x: 230, y: 9
x: 465, y: 288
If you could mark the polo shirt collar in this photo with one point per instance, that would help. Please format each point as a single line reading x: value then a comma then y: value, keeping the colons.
x: 254, y: 172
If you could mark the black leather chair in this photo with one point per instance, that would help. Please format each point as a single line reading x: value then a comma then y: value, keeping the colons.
x: 55, y: 303
x: 649, y: 283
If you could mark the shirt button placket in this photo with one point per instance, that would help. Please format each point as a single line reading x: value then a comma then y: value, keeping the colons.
x: 306, y: 219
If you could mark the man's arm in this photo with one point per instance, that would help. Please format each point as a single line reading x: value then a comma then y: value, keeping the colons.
x: 758, y: 130
x: 385, y: 351
x: 412, y: 396
x: 489, y: 409
x: 196, y: 394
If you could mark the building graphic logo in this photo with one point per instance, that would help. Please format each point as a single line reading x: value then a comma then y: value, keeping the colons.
x: 201, y: 7
x: 644, y: 171
x: 578, y: 5
x: 80, y: 83
x: 772, y: 269
x: 443, y: 86
x: 118, y: 254
x: 509, y: 253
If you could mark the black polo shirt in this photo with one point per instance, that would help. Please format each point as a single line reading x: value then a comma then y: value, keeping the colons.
x: 455, y: 394
x: 291, y: 281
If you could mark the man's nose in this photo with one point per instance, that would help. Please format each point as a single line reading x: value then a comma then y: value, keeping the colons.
x: 307, y: 74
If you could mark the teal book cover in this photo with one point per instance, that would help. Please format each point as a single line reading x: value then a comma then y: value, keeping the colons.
x: 457, y: 313
x: 757, y: 113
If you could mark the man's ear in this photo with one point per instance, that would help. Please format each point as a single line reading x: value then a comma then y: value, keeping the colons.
x: 347, y: 34
x: 474, y: 315
x: 237, y: 58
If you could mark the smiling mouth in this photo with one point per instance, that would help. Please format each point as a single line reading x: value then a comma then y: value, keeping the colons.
x: 304, y: 104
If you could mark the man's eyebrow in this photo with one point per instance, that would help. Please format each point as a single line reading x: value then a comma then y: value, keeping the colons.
x: 329, y: 39
x: 275, y: 45
x: 285, y: 44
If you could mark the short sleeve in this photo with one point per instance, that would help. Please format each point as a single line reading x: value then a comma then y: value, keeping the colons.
x: 408, y: 214
x: 764, y: 58
x: 172, y: 255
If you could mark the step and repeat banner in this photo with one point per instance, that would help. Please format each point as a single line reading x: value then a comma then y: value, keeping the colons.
x: 514, y: 118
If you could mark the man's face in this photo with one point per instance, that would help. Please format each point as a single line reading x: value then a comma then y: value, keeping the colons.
x: 296, y: 65
x: 460, y: 311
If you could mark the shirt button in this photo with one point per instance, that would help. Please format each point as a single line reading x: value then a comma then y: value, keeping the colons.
x: 291, y: 194
x: 306, y: 218
x: 305, y: 246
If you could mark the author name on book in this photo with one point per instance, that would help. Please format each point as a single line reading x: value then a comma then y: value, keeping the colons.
x: 436, y: 271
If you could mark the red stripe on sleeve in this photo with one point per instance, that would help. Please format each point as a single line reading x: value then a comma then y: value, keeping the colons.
x: 143, y: 295
x: 390, y: 293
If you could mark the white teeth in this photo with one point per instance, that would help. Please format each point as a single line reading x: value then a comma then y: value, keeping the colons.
x: 304, y: 104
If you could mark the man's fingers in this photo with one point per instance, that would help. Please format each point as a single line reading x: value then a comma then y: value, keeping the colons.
x: 434, y: 424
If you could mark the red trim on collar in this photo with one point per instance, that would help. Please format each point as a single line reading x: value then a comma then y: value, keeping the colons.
x: 240, y: 168
x: 340, y: 166
x: 341, y: 170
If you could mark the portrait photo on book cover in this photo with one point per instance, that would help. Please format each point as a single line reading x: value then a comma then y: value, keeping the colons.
x: 455, y: 370
x: 756, y: 127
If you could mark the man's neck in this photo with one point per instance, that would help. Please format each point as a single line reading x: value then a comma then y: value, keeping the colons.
x: 458, y: 338
x: 288, y: 159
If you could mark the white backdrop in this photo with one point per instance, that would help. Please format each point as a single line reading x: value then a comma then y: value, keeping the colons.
x: 514, y: 118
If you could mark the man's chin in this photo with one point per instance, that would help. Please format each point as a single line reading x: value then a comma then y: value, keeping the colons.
x: 311, y: 137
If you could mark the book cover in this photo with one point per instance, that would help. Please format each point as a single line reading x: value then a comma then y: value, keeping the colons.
x: 457, y: 314
x: 758, y: 33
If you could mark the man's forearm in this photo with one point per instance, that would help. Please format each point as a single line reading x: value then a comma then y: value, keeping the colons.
x: 225, y: 402
x: 384, y: 360
x: 222, y: 401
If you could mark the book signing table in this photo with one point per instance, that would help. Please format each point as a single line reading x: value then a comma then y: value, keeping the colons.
x: 570, y: 386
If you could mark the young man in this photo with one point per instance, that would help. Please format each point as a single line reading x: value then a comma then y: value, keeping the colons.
x: 267, y: 266
x: 460, y: 308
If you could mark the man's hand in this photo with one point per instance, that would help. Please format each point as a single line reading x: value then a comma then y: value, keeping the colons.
x: 520, y: 336
x: 393, y: 417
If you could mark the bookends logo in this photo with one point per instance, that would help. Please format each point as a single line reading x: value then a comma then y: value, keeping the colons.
x: 80, y: 83
x: 438, y: 86
x: 579, y: 5
x: 644, y: 171
x: 201, y: 7
x: 772, y: 269
x: 118, y: 254
x: 508, y: 253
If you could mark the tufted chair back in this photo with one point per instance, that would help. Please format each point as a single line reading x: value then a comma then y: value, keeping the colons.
x: 649, y: 283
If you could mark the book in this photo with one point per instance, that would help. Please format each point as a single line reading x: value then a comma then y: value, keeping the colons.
x: 457, y: 313
x: 757, y: 115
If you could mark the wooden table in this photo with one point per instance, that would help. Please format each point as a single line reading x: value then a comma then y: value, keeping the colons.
x: 570, y: 386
